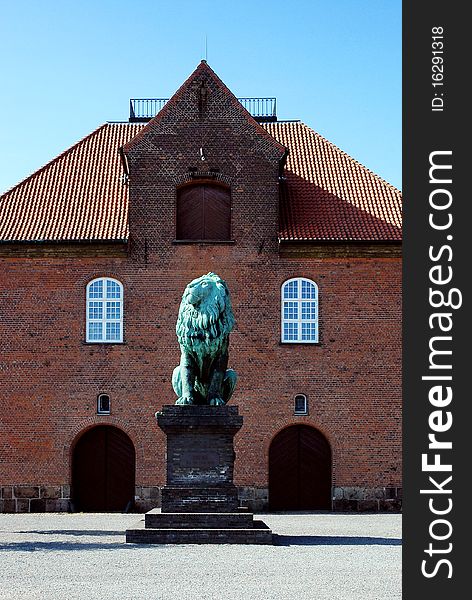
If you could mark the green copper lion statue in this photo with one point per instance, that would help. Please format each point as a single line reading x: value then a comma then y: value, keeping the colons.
x: 203, y: 326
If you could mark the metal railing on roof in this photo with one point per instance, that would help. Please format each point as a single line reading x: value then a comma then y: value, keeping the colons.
x: 263, y: 109
x: 144, y: 109
x: 141, y: 110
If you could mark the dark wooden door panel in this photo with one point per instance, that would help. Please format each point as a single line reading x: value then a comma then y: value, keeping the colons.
x: 89, y: 471
x: 103, y: 470
x: 121, y: 466
x: 300, y: 470
x: 315, y: 470
x: 283, y: 471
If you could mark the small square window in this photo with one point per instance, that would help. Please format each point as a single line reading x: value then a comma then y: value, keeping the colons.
x: 308, y: 310
x: 301, y: 405
x: 103, y: 404
x: 308, y: 331
x: 290, y: 289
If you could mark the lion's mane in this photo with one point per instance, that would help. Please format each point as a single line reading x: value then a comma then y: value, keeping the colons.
x: 204, y: 328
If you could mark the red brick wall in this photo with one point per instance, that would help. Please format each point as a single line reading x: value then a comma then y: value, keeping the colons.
x: 51, y: 377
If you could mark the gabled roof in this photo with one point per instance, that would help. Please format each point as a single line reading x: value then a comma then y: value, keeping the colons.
x: 202, y: 71
x: 81, y: 195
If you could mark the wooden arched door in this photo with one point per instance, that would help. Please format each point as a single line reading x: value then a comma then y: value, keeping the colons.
x: 103, y: 470
x: 300, y: 470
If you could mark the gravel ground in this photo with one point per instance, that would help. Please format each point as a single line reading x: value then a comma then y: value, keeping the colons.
x: 84, y: 556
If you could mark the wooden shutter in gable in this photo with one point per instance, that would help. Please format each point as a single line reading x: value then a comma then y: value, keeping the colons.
x: 190, y: 213
x: 217, y: 213
x: 203, y: 212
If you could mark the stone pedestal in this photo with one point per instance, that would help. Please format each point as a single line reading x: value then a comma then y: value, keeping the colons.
x: 200, y: 501
x: 200, y: 458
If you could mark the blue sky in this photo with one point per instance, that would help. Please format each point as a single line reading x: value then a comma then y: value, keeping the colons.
x: 67, y: 67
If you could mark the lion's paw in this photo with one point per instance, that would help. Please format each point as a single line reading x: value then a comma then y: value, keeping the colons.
x: 217, y: 401
x: 184, y: 400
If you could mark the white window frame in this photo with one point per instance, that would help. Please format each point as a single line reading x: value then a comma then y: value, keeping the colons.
x: 103, y: 301
x: 298, y: 300
x: 300, y: 412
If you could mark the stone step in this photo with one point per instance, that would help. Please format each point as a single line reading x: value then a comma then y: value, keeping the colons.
x: 223, y: 499
x: 159, y: 520
x: 258, y: 534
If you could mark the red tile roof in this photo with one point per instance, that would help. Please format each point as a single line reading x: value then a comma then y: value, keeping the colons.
x: 330, y: 196
x: 80, y: 195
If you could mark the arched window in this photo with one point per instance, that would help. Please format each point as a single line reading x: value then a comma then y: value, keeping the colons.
x: 103, y: 404
x: 203, y: 212
x: 300, y: 311
x: 300, y: 405
x: 104, y: 311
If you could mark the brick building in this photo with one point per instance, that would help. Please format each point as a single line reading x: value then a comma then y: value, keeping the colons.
x: 96, y: 249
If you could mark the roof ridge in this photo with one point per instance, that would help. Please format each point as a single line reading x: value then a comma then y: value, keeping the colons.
x: 52, y: 161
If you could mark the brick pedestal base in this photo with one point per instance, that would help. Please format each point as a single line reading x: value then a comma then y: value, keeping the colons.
x: 199, y: 501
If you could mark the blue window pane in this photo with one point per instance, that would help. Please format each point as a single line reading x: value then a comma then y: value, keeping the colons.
x: 95, y: 310
x: 113, y: 289
x: 308, y: 332
x: 291, y: 289
x: 95, y: 331
x: 96, y: 289
x: 299, y: 311
x: 308, y: 310
x: 308, y: 290
x: 290, y: 331
x: 290, y: 310
x: 113, y: 331
x: 104, y: 311
x: 113, y: 310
